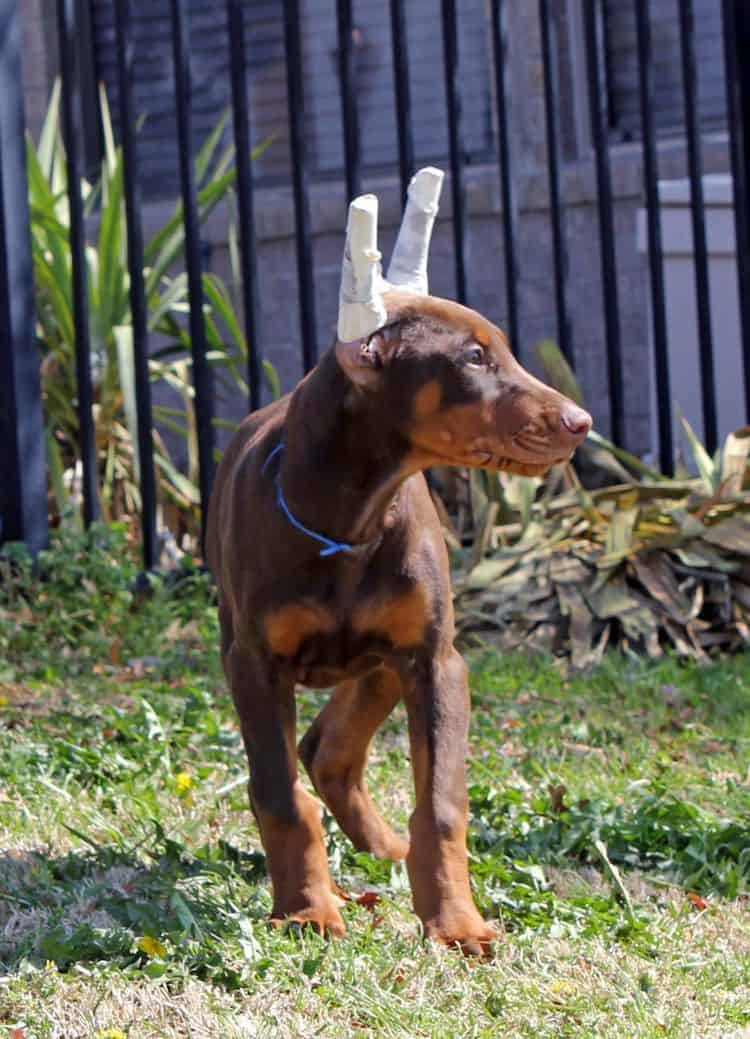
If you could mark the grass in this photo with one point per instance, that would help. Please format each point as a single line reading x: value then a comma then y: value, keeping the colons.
x: 610, y: 840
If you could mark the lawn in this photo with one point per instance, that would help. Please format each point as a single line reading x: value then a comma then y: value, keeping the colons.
x: 610, y: 841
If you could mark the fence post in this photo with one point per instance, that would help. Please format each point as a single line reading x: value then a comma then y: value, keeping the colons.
x: 736, y: 42
x: 23, y: 482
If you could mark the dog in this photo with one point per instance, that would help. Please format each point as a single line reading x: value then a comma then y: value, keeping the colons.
x: 332, y: 569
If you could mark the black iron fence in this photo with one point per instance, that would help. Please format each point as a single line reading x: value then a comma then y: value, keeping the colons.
x: 23, y: 496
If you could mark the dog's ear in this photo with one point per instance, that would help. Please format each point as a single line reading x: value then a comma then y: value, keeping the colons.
x: 364, y: 359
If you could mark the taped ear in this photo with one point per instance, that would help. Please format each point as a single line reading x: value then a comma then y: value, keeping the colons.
x: 408, y: 267
x: 361, y: 307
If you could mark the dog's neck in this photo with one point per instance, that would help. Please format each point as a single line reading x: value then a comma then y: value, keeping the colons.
x: 343, y: 459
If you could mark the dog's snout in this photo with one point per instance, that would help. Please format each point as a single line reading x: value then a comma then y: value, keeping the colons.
x: 575, y: 420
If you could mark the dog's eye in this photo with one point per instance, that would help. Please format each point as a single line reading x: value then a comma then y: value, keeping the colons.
x: 475, y: 356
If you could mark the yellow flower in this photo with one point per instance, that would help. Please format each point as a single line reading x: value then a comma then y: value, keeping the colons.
x: 111, y: 1033
x: 562, y: 989
x: 4, y: 701
x: 183, y: 782
x: 151, y: 946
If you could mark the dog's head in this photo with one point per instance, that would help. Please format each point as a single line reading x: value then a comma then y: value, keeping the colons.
x: 441, y: 374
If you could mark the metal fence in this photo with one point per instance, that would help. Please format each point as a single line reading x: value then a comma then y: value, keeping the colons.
x: 23, y: 499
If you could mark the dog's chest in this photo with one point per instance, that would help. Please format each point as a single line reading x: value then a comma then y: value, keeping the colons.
x: 347, y: 637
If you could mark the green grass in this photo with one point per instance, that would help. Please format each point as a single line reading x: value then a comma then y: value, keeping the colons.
x: 610, y: 841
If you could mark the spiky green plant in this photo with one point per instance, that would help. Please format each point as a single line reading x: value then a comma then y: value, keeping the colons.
x: 110, y: 321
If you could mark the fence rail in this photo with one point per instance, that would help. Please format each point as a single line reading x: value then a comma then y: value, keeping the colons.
x: 22, y: 436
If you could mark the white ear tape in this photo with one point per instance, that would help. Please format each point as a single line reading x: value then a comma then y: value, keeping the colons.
x: 361, y: 307
x: 408, y: 267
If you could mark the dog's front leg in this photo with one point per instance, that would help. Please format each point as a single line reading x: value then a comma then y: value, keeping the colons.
x: 437, y: 699
x: 288, y: 817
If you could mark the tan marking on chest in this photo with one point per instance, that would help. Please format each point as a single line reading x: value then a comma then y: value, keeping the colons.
x: 402, y: 619
x: 287, y: 627
x: 427, y: 398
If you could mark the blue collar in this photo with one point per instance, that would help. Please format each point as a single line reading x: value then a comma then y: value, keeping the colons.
x: 330, y: 547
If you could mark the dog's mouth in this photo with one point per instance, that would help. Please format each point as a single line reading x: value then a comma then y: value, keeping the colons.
x: 500, y: 463
x: 530, y: 451
x: 533, y: 452
x: 530, y: 454
x: 507, y: 464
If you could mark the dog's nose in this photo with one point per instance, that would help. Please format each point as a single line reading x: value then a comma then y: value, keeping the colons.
x: 576, y: 420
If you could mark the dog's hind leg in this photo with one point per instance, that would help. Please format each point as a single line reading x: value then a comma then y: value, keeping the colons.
x: 335, y: 751
x: 288, y: 817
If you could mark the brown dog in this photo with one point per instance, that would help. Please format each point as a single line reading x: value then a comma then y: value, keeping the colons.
x: 332, y: 570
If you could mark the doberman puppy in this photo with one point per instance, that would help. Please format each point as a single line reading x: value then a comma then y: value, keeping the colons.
x: 338, y: 463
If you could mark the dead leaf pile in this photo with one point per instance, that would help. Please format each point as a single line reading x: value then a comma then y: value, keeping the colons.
x: 646, y: 563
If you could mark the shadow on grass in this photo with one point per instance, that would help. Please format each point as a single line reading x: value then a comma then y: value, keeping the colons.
x: 139, y: 910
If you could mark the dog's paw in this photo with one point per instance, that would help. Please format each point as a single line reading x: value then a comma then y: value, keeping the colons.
x: 322, y: 915
x: 462, y: 927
